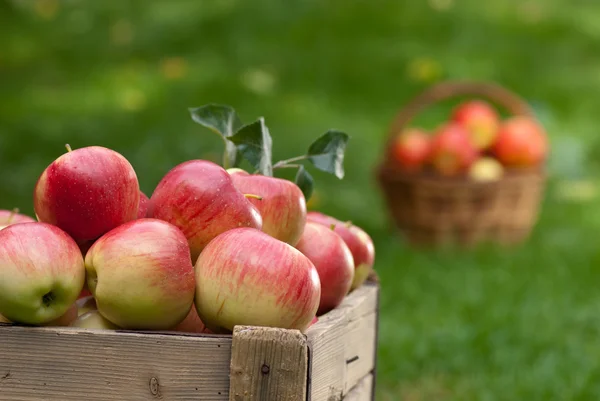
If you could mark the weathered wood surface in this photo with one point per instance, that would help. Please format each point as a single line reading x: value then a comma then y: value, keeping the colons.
x: 343, y: 345
x: 268, y: 364
x: 362, y: 391
x: 72, y: 364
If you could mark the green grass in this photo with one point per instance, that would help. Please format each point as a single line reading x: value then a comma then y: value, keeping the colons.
x: 488, y: 324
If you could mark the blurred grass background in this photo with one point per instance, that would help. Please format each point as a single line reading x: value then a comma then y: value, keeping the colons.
x: 488, y: 324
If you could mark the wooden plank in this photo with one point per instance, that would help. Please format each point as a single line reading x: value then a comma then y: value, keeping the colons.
x: 343, y: 344
x: 73, y: 364
x: 268, y: 364
x: 362, y: 391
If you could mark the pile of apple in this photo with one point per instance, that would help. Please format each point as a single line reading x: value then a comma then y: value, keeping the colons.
x: 475, y: 142
x: 210, y: 249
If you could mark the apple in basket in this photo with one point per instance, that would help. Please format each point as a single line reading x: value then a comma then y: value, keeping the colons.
x: 411, y: 149
x: 333, y: 260
x: 358, y: 241
x: 41, y: 273
x: 141, y: 275
x: 452, y: 151
x: 246, y: 277
x: 521, y: 142
x: 87, y: 192
x: 281, y: 204
x: 200, y: 199
x: 480, y: 120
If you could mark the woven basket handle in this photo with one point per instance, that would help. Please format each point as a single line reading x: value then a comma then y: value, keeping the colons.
x: 449, y: 89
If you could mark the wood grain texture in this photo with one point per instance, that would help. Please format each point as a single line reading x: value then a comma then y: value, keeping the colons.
x: 73, y: 364
x: 342, y: 345
x: 362, y: 391
x: 268, y: 364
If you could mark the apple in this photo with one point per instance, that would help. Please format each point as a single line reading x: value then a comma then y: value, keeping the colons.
x: 8, y: 217
x: 192, y: 323
x: 87, y: 192
x: 486, y: 169
x: 481, y: 121
x: 143, y: 207
x: 358, y: 241
x: 333, y: 260
x: 41, y: 273
x: 411, y: 149
x: 281, y: 204
x: 65, y: 320
x: 199, y: 198
x: 85, y: 305
x: 4, y: 320
x: 521, y: 142
x: 246, y: 277
x: 452, y: 151
x: 141, y: 275
x: 94, y: 320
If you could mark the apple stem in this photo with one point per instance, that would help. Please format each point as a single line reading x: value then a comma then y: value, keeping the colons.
x: 332, y: 227
x: 12, y: 215
x: 253, y: 196
x: 348, y: 224
x: 68, y: 148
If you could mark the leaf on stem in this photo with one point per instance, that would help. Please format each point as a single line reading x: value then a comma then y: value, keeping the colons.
x: 305, y: 182
x: 327, y: 152
x: 255, y: 144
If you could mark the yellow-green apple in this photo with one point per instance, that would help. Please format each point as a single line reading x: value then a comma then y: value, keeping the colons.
x: 358, y: 241
x: 66, y: 319
x: 452, y: 151
x: 85, y: 305
x: 281, y: 204
x: 480, y: 119
x: 8, y: 217
x: 199, y: 198
x: 192, y: 323
x: 41, y: 272
x: 141, y: 275
x: 87, y: 192
x: 486, y: 169
x: 94, y: 320
x: 521, y: 142
x: 333, y: 260
x: 143, y: 207
x: 246, y: 277
x: 411, y: 149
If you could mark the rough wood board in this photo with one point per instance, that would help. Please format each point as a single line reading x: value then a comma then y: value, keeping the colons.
x: 362, y: 391
x: 268, y: 364
x: 72, y: 364
x: 338, y: 339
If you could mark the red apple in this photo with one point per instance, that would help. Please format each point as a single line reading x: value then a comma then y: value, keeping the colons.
x: 521, y: 142
x: 481, y: 121
x: 282, y: 205
x: 359, y: 242
x: 41, y: 273
x: 452, y: 151
x: 87, y: 192
x: 333, y: 260
x: 94, y: 320
x: 192, y: 323
x: 8, y: 217
x: 411, y: 149
x: 141, y: 275
x: 246, y: 277
x: 143, y: 208
x: 199, y: 198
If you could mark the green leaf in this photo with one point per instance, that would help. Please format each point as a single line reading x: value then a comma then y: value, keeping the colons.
x: 224, y: 121
x: 305, y: 182
x: 255, y: 144
x: 327, y: 152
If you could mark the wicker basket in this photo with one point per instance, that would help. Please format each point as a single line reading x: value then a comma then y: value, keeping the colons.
x: 432, y: 210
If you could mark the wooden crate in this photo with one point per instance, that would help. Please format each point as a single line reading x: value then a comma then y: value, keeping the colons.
x: 334, y: 360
